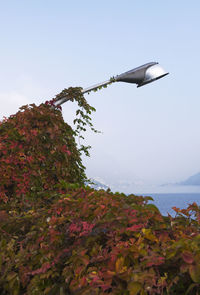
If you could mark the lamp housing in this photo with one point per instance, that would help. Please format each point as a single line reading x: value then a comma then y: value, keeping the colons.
x: 142, y: 75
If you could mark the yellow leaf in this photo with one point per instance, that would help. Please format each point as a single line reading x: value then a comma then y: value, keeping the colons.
x: 47, y: 290
x: 11, y: 276
x: 149, y: 235
x: 119, y: 266
x: 134, y: 288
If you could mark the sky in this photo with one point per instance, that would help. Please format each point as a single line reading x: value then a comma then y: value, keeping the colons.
x: 150, y: 135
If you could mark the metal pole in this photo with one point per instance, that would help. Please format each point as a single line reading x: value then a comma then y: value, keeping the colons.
x: 96, y: 86
x: 86, y: 90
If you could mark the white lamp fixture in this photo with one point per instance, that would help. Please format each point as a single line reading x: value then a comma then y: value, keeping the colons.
x: 143, y: 75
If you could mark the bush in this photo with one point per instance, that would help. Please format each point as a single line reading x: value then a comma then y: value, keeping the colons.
x: 96, y: 242
x: 37, y: 150
x: 59, y: 237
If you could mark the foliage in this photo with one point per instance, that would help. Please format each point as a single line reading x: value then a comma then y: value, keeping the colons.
x: 59, y: 237
x: 37, y: 150
x: 95, y: 242
x: 83, y: 113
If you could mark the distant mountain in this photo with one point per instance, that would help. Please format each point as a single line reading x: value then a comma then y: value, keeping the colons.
x: 117, y: 185
x: 98, y: 185
x: 192, y: 180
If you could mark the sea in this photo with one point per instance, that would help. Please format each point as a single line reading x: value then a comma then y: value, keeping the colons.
x: 164, y: 196
x: 168, y: 196
x: 165, y: 201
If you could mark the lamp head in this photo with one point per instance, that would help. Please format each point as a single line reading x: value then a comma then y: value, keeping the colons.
x: 143, y: 75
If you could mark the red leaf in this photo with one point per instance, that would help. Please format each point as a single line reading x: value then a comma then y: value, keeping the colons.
x: 135, y: 227
x: 42, y: 269
x: 156, y: 261
x: 177, y: 210
x: 3, y: 215
x: 188, y: 257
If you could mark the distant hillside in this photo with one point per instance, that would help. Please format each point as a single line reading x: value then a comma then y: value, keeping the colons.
x: 98, y: 185
x: 192, y: 180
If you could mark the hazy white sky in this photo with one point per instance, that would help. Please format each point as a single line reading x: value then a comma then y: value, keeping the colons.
x: 150, y: 133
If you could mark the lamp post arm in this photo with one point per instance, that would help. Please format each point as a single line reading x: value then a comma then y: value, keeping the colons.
x: 86, y: 90
x: 99, y: 85
x: 61, y: 101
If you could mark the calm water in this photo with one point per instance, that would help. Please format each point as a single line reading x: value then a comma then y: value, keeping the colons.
x: 165, y: 202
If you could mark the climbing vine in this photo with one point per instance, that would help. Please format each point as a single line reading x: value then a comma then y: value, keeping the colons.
x: 83, y: 113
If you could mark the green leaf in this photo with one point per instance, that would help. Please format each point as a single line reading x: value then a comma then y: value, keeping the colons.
x: 194, y: 271
x: 191, y: 287
x: 148, y: 198
x: 152, y: 207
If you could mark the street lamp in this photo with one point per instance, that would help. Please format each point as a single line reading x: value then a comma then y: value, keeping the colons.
x: 141, y: 76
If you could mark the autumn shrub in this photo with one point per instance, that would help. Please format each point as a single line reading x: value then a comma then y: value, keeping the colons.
x: 96, y: 242
x: 37, y: 150
x: 58, y: 236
